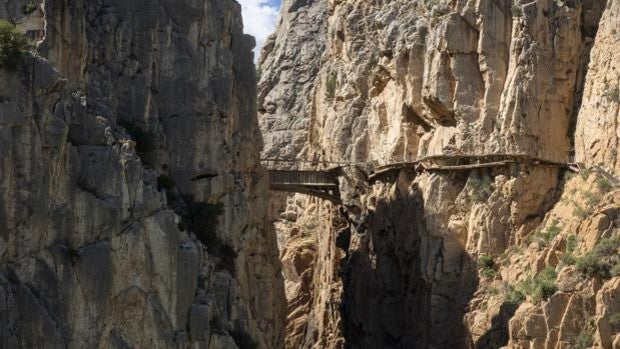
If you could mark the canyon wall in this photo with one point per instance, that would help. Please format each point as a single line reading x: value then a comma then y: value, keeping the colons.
x: 132, y: 202
x: 453, y: 259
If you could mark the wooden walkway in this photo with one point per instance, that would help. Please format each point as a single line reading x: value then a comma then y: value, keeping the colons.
x: 324, y: 183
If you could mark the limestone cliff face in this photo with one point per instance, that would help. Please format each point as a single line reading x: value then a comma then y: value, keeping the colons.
x: 291, y: 60
x: 117, y: 142
x: 401, y: 80
x: 596, y: 137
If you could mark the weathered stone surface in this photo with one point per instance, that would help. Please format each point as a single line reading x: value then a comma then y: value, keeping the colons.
x: 93, y: 252
x: 404, y: 79
x: 596, y: 137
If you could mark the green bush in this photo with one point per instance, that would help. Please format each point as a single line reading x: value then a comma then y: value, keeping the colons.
x: 602, y: 261
x: 541, y: 286
x: 583, y: 341
x: 485, y: 262
x: 568, y: 259
x: 13, y: 45
x: 487, y: 266
x: 516, y: 11
x: 590, y: 265
x: 31, y: 6
x: 607, y: 247
x: 330, y: 87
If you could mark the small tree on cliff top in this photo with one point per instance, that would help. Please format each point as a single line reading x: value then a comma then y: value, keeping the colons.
x: 13, y: 45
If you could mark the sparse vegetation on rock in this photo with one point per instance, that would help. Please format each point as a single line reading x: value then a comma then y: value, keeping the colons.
x: 487, y: 266
x: 602, y: 261
x: 583, y: 340
x: 31, y: 6
x: 13, y: 45
x: 540, y: 286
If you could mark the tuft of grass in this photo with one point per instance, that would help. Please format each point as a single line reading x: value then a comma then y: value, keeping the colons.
x: 516, y: 11
x: 13, y: 46
x: 568, y: 257
x: 487, y: 266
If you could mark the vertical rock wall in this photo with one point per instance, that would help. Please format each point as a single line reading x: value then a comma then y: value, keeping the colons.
x: 596, y: 138
x: 132, y: 114
x: 399, y: 80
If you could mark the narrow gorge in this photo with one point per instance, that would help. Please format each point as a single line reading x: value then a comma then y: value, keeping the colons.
x: 382, y: 174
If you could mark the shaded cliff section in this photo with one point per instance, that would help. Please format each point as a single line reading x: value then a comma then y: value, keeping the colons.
x: 131, y: 199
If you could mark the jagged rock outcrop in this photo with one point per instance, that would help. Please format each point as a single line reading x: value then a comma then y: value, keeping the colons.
x: 121, y: 142
x: 405, y: 79
x: 291, y: 59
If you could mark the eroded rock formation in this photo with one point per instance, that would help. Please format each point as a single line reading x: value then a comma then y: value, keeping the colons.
x: 119, y: 141
x: 452, y: 259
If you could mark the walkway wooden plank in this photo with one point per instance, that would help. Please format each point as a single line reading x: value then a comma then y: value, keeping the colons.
x: 305, y: 190
x: 302, y: 177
